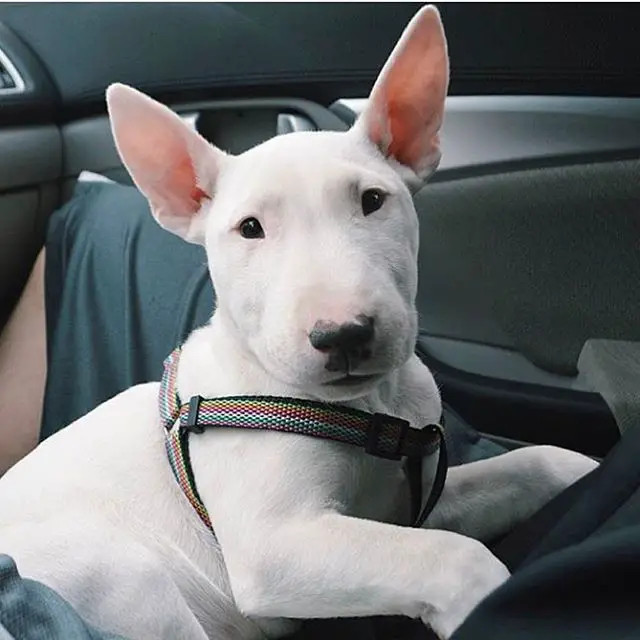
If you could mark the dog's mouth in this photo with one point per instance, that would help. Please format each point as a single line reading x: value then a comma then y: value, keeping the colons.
x: 351, y: 380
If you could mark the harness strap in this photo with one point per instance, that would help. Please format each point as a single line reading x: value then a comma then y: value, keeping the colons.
x: 414, y: 474
x: 380, y: 435
x: 177, y: 438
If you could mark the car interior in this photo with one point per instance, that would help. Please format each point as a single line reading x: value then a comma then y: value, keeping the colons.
x: 528, y: 229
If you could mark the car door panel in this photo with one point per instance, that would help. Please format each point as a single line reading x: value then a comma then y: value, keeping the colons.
x: 30, y: 163
x: 531, y: 258
x: 538, y: 260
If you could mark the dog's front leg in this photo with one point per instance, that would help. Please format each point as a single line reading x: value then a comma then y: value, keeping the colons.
x: 333, y: 565
x: 486, y: 499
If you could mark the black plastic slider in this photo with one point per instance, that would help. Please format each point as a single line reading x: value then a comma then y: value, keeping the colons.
x: 376, y: 425
x: 428, y: 439
x: 192, y: 417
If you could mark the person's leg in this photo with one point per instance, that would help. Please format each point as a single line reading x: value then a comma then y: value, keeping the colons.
x: 23, y: 370
x: 576, y: 577
x: 121, y: 294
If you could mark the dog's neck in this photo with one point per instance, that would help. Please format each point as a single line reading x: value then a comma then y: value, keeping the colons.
x: 216, y: 361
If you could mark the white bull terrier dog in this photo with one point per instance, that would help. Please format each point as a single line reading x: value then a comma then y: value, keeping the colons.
x: 312, y: 243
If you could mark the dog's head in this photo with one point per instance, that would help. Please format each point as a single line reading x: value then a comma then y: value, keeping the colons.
x: 312, y: 238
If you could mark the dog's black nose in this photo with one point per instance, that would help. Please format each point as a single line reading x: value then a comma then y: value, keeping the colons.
x: 346, y: 344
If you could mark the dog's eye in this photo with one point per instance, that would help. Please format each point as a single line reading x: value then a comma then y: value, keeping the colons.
x: 251, y: 229
x: 371, y: 200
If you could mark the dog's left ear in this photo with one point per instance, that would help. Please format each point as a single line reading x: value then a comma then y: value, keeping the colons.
x: 172, y: 165
x: 406, y: 106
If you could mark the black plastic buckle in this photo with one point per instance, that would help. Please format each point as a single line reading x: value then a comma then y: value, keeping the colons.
x: 378, y: 421
x: 429, y: 438
x: 192, y: 417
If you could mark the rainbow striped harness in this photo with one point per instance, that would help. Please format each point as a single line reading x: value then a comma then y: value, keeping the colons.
x: 380, y: 435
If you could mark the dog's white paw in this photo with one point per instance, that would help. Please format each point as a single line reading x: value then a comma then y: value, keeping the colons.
x: 478, y: 573
x: 562, y: 467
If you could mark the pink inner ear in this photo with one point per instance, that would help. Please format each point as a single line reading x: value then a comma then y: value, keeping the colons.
x: 413, y: 131
x: 406, y: 145
x: 182, y: 188
x: 198, y: 195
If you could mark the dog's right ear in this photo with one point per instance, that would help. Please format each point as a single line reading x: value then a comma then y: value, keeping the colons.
x: 172, y: 165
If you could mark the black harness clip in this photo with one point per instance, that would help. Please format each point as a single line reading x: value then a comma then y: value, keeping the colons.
x: 373, y: 445
x: 192, y: 417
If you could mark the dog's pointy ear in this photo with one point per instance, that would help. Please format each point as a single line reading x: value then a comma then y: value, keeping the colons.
x: 170, y: 163
x: 405, y: 109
